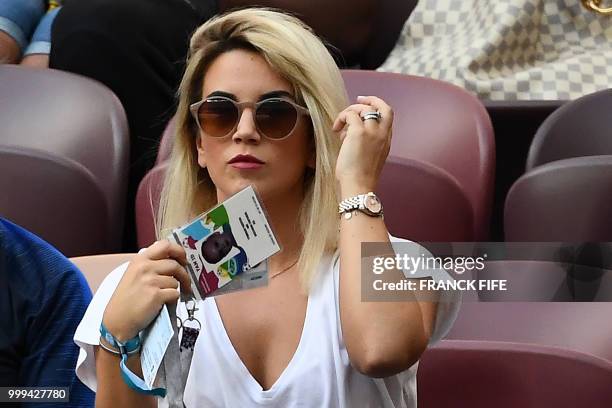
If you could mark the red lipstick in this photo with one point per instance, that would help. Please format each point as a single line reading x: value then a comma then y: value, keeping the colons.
x: 245, y: 161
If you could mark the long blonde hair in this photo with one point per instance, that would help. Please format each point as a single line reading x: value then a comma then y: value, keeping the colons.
x: 291, y: 49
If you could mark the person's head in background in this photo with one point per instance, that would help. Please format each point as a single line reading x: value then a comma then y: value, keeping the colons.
x: 252, y: 55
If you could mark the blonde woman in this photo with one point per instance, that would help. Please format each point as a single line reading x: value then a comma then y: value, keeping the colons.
x: 262, y: 103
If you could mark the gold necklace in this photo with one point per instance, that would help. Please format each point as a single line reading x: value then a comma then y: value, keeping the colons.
x: 284, y: 270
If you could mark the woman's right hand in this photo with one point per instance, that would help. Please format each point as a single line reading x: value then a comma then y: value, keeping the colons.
x: 149, y: 282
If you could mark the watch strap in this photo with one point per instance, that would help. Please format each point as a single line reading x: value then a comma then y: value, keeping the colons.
x: 351, y: 203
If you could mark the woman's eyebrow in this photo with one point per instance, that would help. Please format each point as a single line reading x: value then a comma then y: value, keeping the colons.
x: 276, y: 94
x: 222, y: 93
x: 267, y: 95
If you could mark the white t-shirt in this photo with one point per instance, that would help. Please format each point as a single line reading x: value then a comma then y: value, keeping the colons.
x: 318, y: 375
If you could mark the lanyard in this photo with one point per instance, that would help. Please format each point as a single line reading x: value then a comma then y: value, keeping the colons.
x: 177, y: 360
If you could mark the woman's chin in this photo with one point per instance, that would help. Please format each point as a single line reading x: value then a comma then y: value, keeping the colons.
x: 236, y: 187
x: 266, y: 190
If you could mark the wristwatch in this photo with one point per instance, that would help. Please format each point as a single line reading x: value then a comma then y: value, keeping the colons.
x: 366, y: 203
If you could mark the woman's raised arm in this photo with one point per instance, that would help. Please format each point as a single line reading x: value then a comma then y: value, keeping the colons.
x: 382, y: 338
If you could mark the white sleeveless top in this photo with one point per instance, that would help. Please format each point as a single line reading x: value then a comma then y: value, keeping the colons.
x: 318, y: 375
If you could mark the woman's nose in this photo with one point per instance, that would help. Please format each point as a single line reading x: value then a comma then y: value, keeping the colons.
x: 246, y: 130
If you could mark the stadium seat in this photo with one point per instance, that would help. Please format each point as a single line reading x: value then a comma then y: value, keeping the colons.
x: 579, y: 326
x: 439, y: 124
x: 97, y: 267
x: 484, y: 374
x: 147, y: 203
x: 165, y: 144
x: 547, y: 281
x: 64, y: 149
x: 566, y: 200
x: 423, y: 203
x: 579, y: 128
x: 514, y: 124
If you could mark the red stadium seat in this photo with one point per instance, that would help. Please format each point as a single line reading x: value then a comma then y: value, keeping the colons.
x: 423, y: 203
x: 165, y: 144
x: 483, y: 374
x: 147, y: 203
x: 579, y: 326
x: 439, y: 124
x: 546, y: 281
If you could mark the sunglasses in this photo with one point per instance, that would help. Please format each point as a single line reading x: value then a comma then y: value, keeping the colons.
x: 275, y: 118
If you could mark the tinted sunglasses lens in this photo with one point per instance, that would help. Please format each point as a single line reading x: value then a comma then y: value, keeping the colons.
x: 218, y: 117
x: 276, y: 119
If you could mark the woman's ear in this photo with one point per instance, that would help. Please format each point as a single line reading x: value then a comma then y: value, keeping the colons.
x: 201, y: 152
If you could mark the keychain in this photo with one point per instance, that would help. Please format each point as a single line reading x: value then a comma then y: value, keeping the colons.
x: 177, y: 360
x: 190, y: 334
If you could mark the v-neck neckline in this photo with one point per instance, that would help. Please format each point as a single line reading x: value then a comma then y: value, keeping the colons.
x: 230, y: 351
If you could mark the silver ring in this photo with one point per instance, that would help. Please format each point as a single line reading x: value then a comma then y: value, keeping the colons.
x: 371, y: 115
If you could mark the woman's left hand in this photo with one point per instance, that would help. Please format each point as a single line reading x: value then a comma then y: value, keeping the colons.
x: 365, y: 144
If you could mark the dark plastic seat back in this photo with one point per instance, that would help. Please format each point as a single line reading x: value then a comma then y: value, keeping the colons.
x: 567, y: 200
x: 64, y: 137
x: 479, y: 374
x: 439, y: 124
x: 579, y: 128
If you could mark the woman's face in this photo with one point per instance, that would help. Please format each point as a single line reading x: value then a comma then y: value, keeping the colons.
x: 245, y: 76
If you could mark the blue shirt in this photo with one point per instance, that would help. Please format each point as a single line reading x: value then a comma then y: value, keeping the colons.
x: 43, y: 297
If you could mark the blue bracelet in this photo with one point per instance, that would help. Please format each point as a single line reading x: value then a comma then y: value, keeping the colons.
x: 125, y: 348
x: 129, y: 346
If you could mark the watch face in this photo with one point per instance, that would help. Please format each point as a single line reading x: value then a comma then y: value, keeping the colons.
x: 373, y: 204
